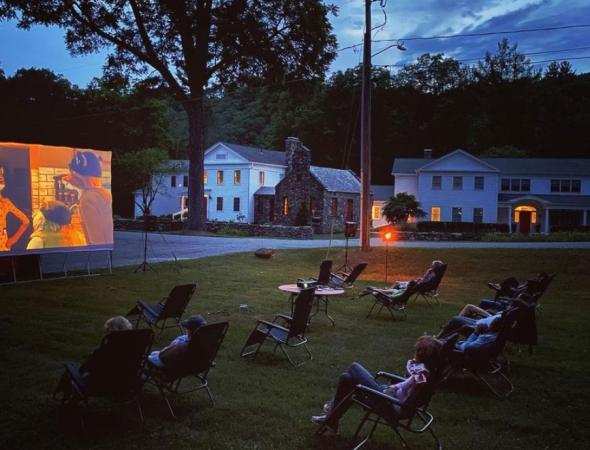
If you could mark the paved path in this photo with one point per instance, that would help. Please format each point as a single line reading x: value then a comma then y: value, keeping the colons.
x: 165, y: 247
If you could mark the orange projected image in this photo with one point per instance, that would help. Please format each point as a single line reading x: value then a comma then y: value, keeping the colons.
x: 54, y: 199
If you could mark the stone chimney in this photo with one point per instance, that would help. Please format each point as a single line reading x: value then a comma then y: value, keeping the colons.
x: 298, y: 157
x: 428, y: 153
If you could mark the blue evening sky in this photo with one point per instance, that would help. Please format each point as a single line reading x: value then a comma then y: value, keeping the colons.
x: 43, y: 47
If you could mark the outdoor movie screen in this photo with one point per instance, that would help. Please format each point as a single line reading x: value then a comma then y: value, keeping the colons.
x: 54, y: 199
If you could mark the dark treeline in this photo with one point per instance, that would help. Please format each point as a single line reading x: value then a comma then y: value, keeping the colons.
x: 501, y: 106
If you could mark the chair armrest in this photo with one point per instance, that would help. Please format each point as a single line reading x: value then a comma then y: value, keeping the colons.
x: 374, y: 392
x: 495, y: 286
x: 390, y: 376
x: 285, y: 317
x: 272, y: 325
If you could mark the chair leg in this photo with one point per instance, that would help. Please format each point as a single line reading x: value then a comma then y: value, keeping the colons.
x: 163, y: 394
x: 139, y: 410
x: 282, y: 347
x: 372, y: 307
x: 210, y: 396
x: 435, y: 437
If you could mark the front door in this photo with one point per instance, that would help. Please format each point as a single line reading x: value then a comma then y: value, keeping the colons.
x: 525, y: 222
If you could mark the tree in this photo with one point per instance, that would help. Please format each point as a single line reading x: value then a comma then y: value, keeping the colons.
x: 508, y: 64
x: 142, y: 171
x: 433, y: 74
x: 560, y: 70
x: 506, y: 151
x: 401, y: 207
x: 193, y: 45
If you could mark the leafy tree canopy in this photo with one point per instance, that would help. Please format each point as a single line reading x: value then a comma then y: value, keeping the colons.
x: 400, y: 208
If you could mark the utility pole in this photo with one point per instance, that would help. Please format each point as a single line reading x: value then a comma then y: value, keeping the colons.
x: 366, y: 135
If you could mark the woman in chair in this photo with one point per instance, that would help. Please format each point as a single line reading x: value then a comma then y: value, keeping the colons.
x: 427, y: 349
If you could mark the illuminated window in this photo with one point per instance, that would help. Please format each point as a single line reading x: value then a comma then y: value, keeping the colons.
x: 478, y: 183
x: 435, y: 214
x: 436, y: 182
x: 334, y: 206
x: 478, y: 215
x: 205, y: 177
x: 219, y: 203
x: 236, y: 204
x: 220, y: 177
x: 376, y: 212
x: 237, y: 176
x: 457, y: 183
x: 285, y: 206
x: 457, y: 214
x: 261, y: 178
x: 313, y: 206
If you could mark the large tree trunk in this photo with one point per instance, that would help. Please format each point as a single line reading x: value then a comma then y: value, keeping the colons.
x: 196, y: 191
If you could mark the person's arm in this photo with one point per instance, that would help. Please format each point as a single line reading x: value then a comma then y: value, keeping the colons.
x: 35, y: 242
x: 23, y: 226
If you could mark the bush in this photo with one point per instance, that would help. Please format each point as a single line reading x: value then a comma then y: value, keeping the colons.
x: 582, y: 228
x: 231, y: 231
x: 573, y: 236
x: 462, y: 227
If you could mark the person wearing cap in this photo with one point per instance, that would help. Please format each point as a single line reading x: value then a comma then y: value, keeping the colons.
x: 160, y: 358
x: 95, y: 204
x: 50, y: 227
x: 6, y: 207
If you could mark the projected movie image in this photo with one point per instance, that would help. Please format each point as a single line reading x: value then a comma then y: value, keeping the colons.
x: 54, y: 199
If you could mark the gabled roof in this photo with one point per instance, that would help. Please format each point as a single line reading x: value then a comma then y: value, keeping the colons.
x: 382, y: 192
x: 337, y: 180
x: 256, y: 155
x: 434, y: 162
x: 509, y: 166
x: 265, y: 190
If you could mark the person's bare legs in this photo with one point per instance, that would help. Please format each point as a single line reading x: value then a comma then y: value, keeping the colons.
x: 472, y: 310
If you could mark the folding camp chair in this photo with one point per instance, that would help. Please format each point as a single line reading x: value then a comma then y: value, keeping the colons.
x: 290, y: 335
x: 381, y: 409
x: 484, y: 362
x: 170, y: 308
x: 113, y: 371
x: 395, y: 302
x: 195, y: 361
x: 428, y: 289
x: 325, y: 272
x: 342, y: 279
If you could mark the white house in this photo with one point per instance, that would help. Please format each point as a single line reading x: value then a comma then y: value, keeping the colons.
x: 528, y: 194
x: 233, y: 173
x: 380, y: 195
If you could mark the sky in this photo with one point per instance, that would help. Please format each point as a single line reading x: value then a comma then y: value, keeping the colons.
x: 44, y: 47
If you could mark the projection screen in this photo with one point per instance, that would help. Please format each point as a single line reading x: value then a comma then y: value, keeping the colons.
x: 54, y: 199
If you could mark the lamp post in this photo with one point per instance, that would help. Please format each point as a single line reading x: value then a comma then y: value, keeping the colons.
x: 387, y: 236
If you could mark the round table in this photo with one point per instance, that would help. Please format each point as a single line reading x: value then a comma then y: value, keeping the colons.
x: 321, y: 298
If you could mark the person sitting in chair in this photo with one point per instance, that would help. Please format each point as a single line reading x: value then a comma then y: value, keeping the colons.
x: 482, y: 335
x: 419, y: 368
x: 160, y: 358
x: 469, y: 318
x: 428, y: 276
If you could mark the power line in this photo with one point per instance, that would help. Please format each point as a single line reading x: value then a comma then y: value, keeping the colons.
x: 488, y: 33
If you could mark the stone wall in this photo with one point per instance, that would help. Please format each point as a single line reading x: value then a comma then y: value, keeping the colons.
x: 336, y: 221
x: 435, y: 236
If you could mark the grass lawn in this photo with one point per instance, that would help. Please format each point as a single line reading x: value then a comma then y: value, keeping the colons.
x: 266, y: 404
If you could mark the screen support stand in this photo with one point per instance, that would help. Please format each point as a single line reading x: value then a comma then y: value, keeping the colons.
x: 13, y: 269
x: 145, y: 265
x: 110, y: 261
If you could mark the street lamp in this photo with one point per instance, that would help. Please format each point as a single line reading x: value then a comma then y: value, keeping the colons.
x: 387, y: 237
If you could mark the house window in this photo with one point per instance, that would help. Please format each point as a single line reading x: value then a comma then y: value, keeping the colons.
x: 334, y: 206
x: 313, y: 206
x: 349, y: 205
x: 457, y: 183
x: 566, y: 185
x: 261, y: 178
x: 478, y: 215
x: 205, y: 177
x: 478, y: 183
x: 285, y: 206
x: 221, y: 156
x: 236, y: 204
x: 576, y: 185
x: 376, y: 212
x: 436, y: 182
x: 220, y: 177
x: 457, y: 214
x: 237, y: 176
x: 219, y: 203
x: 173, y: 181
x: 185, y: 181
x: 505, y: 186
x: 516, y: 184
x: 435, y: 214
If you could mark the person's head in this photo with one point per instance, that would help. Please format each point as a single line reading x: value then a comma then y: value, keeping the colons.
x: 51, y: 216
x: 193, y: 323
x: 85, y: 170
x: 426, y: 350
x: 2, y: 179
x: 117, y: 323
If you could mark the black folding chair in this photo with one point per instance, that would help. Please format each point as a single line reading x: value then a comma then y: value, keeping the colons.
x: 291, y: 335
x: 393, y: 303
x: 170, y: 308
x: 342, y: 279
x: 113, y: 371
x: 194, y: 362
x: 428, y: 289
x: 325, y: 272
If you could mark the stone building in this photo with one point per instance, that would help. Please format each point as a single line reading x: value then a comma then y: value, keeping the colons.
x: 325, y: 196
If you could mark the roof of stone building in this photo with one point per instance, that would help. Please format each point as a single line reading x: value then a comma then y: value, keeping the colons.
x: 265, y: 190
x: 337, y: 180
x: 552, y: 199
x: 175, y: 165
x: 258, y: 155
x: 382, y: 192
x: 511, y: 166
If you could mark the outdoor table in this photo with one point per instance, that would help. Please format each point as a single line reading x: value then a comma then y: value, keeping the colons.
x: 321, y: 298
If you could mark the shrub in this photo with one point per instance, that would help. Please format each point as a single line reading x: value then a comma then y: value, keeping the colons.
x: 462, y: 227
x: 572, y: 236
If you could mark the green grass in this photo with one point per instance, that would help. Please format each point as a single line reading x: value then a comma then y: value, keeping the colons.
x: 265, y: 404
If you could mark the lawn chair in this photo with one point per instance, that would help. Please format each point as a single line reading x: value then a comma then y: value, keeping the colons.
x: 382, y: 409
x: 195, y: 362
x: 170, y: 308
x: 113, y: 371
x: 290, y: 335
x: 428, y: 289
x: 325, y: 272
x: 484, y: 363
x: 342, y: 279
x: 395, y: 303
